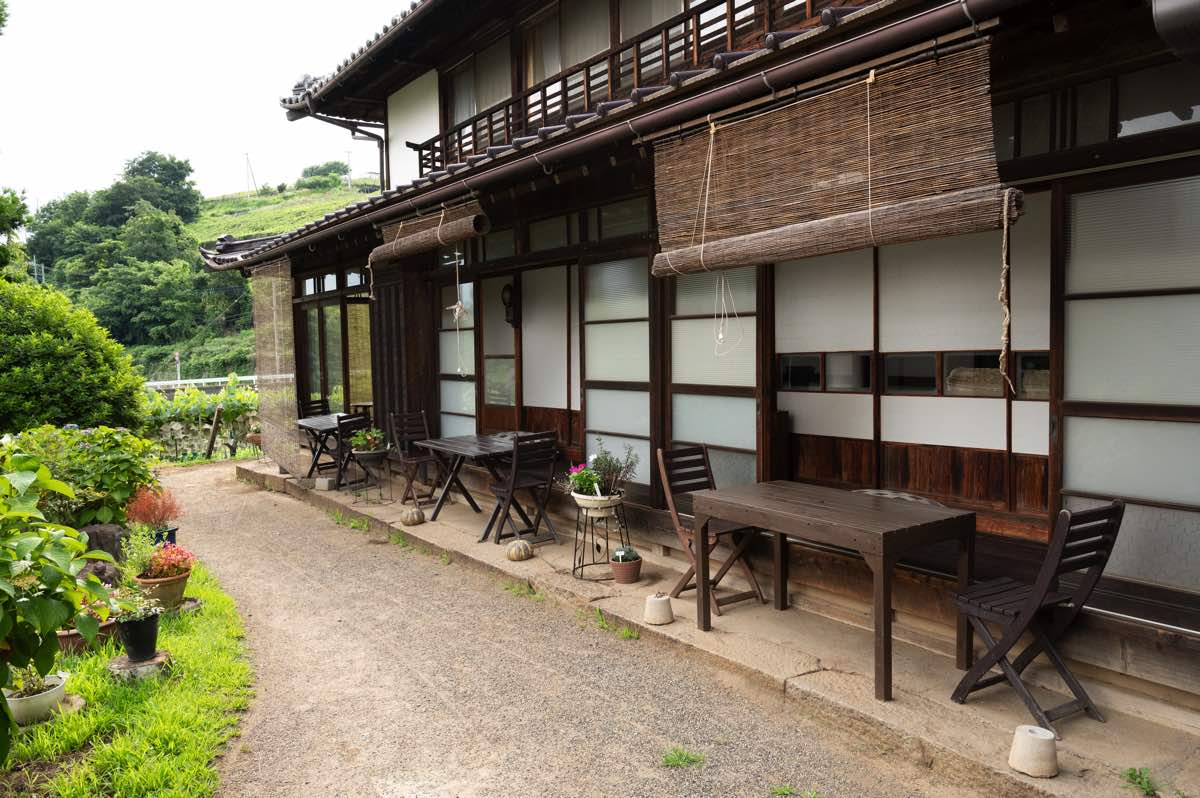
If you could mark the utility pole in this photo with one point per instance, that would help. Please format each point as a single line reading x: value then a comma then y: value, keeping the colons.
x: 349, y: 182
x: 251, y: 183
x: 178, y: 378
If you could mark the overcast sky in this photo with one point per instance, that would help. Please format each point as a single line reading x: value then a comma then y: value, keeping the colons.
x: 88, y: 85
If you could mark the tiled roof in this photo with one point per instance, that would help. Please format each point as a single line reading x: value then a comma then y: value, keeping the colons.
x: 309, y: 88
x: 235, y: 254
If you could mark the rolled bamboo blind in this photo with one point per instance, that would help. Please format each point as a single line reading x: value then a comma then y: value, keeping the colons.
x: 443, y: 228
x: 901, y: 156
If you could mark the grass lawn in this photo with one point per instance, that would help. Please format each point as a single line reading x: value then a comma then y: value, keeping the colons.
x: 251, y: 215
x: 152, y: 738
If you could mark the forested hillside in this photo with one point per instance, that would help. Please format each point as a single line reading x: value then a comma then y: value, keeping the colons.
x: 129, y: 254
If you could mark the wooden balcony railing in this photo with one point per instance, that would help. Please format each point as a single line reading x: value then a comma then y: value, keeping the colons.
x: 685, y: 42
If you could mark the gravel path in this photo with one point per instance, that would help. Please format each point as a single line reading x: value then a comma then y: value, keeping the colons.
x: 384, y: 672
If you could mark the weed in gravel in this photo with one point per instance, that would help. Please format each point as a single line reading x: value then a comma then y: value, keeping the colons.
x: 783, y: 790
x: 620, y: 630
x: 522, y: 589
x: 678, y: 757
x: 446, y: 559
x: 341, y: 519
x: 398, y: 538
x: 1139, y: 779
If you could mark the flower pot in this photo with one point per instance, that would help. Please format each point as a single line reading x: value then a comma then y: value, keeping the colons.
x: 597, y: 506
x: 626, y: 572
x: 168, y: 591
x: 254, y: 439
x: 70, y: 641
x: 371, y: 459
x: 165, y: 535
x: 36, y: 708
x: 140, y: 638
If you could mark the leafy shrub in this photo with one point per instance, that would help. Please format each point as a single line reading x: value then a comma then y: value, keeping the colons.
x: 58, y: 366
x: 156, y: 508
x: 282, y: 187
x: 137, y: 549
x: 319, y: 182
x: 41, y: 587
x: 103, y: 466
x: 328, y: 168
x: 183, y: 423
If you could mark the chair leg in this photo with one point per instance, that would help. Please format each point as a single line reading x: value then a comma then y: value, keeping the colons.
x: 685, y: 582
x: 487, y: 530
x: 1084, y: 700
x: 1010, y: 673
x: 410, y: 475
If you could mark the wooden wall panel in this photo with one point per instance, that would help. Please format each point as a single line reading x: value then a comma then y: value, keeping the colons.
x: 497, y: 418
x: 1030, y: 474
x: 970, y: 476
x: 845, y: 462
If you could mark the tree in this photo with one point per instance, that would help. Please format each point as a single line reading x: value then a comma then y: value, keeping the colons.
x: 52, y: 224
x: 3, y: 15
x: 174, y: 175
x: 58, y: 366
x: 151, y: 234
x: 340, y: 168
x: 13, y: 216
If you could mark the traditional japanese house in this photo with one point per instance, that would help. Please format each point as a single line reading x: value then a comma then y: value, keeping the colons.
x: 948, y: 248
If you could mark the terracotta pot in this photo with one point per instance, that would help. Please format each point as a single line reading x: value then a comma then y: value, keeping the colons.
x: 626, y: 572
x: 168, y: 591
x: 140, y: 638
x: 254, y: 439
x: 36, y: 708
x: 71, y: 642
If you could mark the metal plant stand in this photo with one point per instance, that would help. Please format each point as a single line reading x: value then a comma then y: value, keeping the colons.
x: 375, y: 487
x: 589, y: 529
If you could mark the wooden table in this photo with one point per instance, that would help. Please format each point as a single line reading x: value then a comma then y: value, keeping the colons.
x: 319, y: 430
x: 880, y: 529
x: 482, y: 449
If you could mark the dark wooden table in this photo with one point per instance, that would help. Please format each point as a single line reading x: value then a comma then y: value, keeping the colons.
x: 320, y: 429
x: 485, y: 450
x: 878, y: 528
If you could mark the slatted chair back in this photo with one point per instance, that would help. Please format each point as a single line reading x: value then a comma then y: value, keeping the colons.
x: 684, y: 471
x: 351, y: 423
x: 1081, y: 544
x: 314, y: 407
x: 533, y: 458
x: 407, y: 429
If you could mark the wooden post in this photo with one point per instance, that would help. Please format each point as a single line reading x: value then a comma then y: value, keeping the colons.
x: 212, y: 435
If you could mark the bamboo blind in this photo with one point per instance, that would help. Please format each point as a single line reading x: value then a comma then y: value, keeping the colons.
x: 433, y: 230
x: 823, y: 175
x: 275, y: 364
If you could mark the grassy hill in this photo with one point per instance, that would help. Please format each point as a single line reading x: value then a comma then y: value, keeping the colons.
x: 251, y: 215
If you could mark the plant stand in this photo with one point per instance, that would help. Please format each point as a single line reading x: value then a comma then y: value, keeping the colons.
x: 375, y: 487
x: 588, y: 529
x: 125, y: 670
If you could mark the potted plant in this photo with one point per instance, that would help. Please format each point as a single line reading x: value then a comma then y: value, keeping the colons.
x: 369, y: 445
x: 71, y: 641
x: 626, y: 565
x: 156, y: 508
x: 598, y: 485
x: 160, y: 571
x: 32, y: 697
x: 137, y: 623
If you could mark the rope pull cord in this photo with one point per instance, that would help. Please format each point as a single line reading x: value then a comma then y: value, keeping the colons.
x: 458, y: 311
x: 870, y: 188
x: 1005, y: 296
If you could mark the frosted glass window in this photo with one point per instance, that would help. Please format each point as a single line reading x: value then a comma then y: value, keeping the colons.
x: 616, y: 290
x: 1092, y: 112
x: 1031, y: 427
x: 1156, y: 545
x: 625, y: 218
x: 698, y: 359
x: 493, y: 75
x: 824, y: 304
x: 732, y: 468
x: 800, y: 372
x: 453, y: 426
x: 1141, y: 349
x: 548, y: 234
x: 618, y: 351
x: 910, y: 373
x: 715, y: 420
x: 639, y: 16
x: 462, y: 90
x: 543, y: 53
x: 497, y: 333
x: 848, y: 371
x: 1035, y: 125
x: 1136, y: 237
x: 619, y: 411
x: 449, y: 297
x: 1155, y: 460
x: 972, y: 374
x: 1158, y: 97
x: 499, y: 382
x: 458, y: 396
x: 455, y: 349
x: 1033, y: 375
x: 697, y: 293
x: 1004, y: 130
x: 575, y: 331
x: 617, y: 444
x: 500, y: 244
x: 544, y: 337
x: 585, y: 30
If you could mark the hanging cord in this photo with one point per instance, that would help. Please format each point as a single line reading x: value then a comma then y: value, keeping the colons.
x: 870, y: 198
x: 458, y: 310
x: 1005, y: 295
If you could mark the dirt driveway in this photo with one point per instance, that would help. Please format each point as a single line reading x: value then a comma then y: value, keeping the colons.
x: 382, y: 671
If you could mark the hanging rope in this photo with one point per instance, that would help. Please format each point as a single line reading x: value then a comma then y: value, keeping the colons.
x: 870, y: 199
x: 458, y: 311
x: 1005, y: 295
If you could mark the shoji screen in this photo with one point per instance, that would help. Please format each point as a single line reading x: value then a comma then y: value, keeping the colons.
x: 456, y: 363
x: 1132, y: 347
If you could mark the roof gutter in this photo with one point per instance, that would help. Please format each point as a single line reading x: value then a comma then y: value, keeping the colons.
x: 938, y: 21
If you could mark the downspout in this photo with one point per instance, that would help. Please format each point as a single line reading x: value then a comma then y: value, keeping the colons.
x: 926, y: 25
x: 1178, y: 23
x: 357, y: 132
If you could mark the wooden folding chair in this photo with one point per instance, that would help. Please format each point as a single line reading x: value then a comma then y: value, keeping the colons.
x: 530, y: 468
x: 687, y: 470
x: 1081, y: 544
x: 407, y: 429
x: 314, y: 407
x: 347, y: 425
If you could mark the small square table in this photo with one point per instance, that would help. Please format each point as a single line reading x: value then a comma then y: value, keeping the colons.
x: 483, y: 449
x: 320, y: 429
x: 878, y: 528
